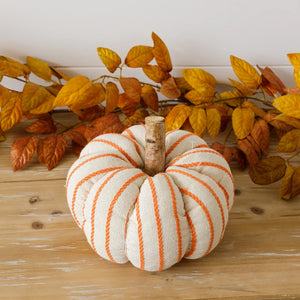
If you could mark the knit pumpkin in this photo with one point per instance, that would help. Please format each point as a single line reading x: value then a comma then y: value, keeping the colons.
x: 151, y: 221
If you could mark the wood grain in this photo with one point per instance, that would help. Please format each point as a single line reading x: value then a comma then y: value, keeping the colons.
x: 43, y: 254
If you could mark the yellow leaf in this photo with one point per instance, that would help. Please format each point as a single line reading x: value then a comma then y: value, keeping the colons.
x: 132, y: 88
x: 161, y: 53
x: 256, y: 109
x: 46, y: 106
x: 110, y: 58
x: 4, y: 95
x: 39, y: 68
x: 205, y: 93
x: 177, y: 116
x: 213, y: 122
x: 155, y: 73
x: 94, y: 95
x: 150, y: 97
x: 290, y: 142
x: 197, y: 119
x: 245, y: 72
x: 11, y: 112
x: 286, y: 183
x: 232, y: 96
x: 72, y: 91
x: 196, y: 78
x: 112, y: 97
x: 242, y: 121
x: 59, y: 74
x: 242, y: 88
x: 137, y: 118
x: 33, y: 95
x: 139, y: 56
x: 288, y: 120
x: 294, y: 59
x: 289, y: 105
x: 12, y: 68
x: 170, y: 89
x: 297, y: 77
x: 182, y: 84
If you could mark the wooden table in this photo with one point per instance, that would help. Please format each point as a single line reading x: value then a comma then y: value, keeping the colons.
x: 44, y: 255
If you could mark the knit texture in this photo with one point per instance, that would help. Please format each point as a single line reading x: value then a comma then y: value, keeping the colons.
x: 151, y: 221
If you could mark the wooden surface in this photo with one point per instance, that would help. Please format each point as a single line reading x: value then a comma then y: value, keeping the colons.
x: 44, y: 255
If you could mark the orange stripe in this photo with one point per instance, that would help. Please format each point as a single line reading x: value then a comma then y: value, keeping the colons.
x: 178, y: 142
x: 211, y: 226
x: 134, y: 143
x: 130, y: 133
x: 110, y: 211
x: 118, y: 148
x: 169, y: 132
x: 158, y: 224
x: 140, y: 235
x: 127, y: 219
x: 88, y: 160
x: 179, y: 238
x: 193, y: 152
x: 95, y: 203
x: 194, y: 236
x: 201, y: 146
x: 82, y: 181
x: 210, y: 190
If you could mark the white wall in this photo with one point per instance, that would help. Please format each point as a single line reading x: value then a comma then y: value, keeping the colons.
x: 197, y: 32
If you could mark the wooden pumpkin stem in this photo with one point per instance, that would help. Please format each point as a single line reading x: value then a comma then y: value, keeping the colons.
x: 155, y: 145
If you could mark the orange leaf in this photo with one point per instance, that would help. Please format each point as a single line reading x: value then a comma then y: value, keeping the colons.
x: 187, y: 126
x: 218, y: 147
x: 289, y: 105
x: 228, y: 154
x: 261, y: 134
x: 254, y: 145
x: 278, y: 124
x: 4, y: 95
x: 150, y: 97
x: 40, y: 151
x: 90, y: 113
x: 83, y: 129
x: 177, y: 116
x: 242, y: 121
x: 13, y: 68
x: 239, y: 157
x: 72, y: 90
x: 290, y: 142
x: 76, y: 137
x: 39, y: 68
x: 268, y: 170
x: 127, y: 105
x: 196, y: 77
x: 11, y: 112
x: 42, y: 126
x: 112, y: 97
x: 110, y: 59
x: 248, y: 150
x: 213, y: 122
x: 54, y: 148
x: 293, y: 91
x: 22, y: 151
x: 170, y: 89
x: 161, y: 53
x: 155, y: 73
x: 296, y: 183
x: 197, y: 119
x: 132, y: 88
x: 288, y: 120
x: 245, y: 72
x: 294, y: 59
x: 203, y: 94
x: 139, y: 56
x: 234, y: 97
x: 286, y: 183
x: 241, y: 88
x: 256, y: 109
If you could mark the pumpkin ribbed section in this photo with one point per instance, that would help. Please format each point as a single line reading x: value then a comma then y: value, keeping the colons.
x: 151, y: 221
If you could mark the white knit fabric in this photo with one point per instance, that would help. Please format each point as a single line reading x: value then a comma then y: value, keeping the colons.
x: 151, y: 221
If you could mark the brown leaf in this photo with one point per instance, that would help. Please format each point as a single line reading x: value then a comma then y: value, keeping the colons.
x: 296, y: 183
x: 76, y: 137
x: 22, y: 151
x: 286, y: 183
x: 268, y: 170
x: 218, y: 147
x: 288, y: 120
x: 166, y: 110
x: 177, y: 116
x: 40, y: 151
x: 127, y: 105
x: 228, y: 154
x: 137, y: 118
x: 111, y: 97
x: 261, y: 134
x: 109, y: 123
x: 187, y: 126
x: 42, y: 126
x: 132, y: 88
x: 139, y: 56
x: 83, y: 129
x: 76, y: 148
x: 290, y: 142
x: 213, y: 118
x: 268, y: 87
x: 254, y: 145
x: 150, y: 97
x: 161, y: 53
x: 273, y: 79
x: 155, y: 73
x: 54, y: 148
x: 251, y: 155
x: 293, y: 91
x: 240, y: 158
x: 278, y: 124
x: 170, y: 89
x: 91, y: 113
x: 242, y: 121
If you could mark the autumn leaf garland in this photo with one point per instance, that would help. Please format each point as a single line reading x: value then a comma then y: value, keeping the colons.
x: 194, y: 104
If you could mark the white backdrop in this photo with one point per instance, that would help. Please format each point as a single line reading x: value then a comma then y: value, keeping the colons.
x: 197, y: 32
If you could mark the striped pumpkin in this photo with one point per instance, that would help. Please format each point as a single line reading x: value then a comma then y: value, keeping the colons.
x: 151, y: 221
